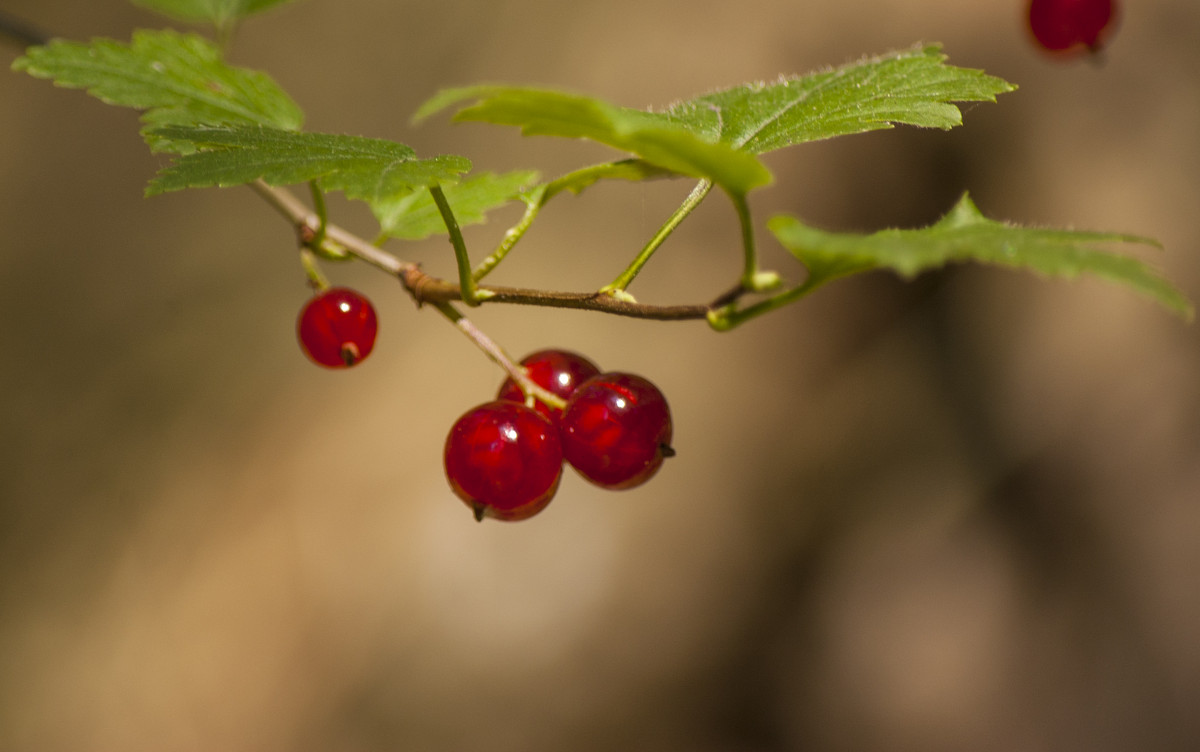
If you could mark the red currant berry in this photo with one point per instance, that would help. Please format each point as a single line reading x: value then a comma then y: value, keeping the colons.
x: 616, y: 430
x: 504, y: 460
x: 1068, y: 25
x: 337, y: 328
x: 558, y: 371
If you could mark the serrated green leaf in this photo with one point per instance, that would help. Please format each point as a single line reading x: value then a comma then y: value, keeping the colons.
x: 542, y: 112
x: 178, y: 79
x: 910, y: 87
x: 218, y: 12
x: 415, y: 216
x: 373, y: 170
x: 965, y: 234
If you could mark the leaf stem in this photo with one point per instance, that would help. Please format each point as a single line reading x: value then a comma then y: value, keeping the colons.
x: 318, y: 199
x: 316, y: 278
x: 574, y: 181
x: 753, y: 279
x: 533, y: 205
x: 471, y: 294
x: 625, y: 278
x: 727, y: 316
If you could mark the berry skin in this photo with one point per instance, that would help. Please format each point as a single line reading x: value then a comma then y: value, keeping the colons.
x: 337, y: 328
x: 504, y: 460
x: 558, y: 371
x: 1064, y: 26
x: 616, y: 430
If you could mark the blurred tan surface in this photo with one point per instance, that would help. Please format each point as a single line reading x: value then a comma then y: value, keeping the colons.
x: 957, y: 514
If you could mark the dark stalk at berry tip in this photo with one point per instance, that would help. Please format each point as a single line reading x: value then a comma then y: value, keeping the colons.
x: 349, y: 353
x: 480, y: 512
x: 665, y: 450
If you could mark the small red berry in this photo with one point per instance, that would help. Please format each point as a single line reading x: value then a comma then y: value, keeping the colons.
x: 1065, y: 26
x: 558, y: 371
x: 616, y: 430
x: 337, y: 327
x: 504, y: 460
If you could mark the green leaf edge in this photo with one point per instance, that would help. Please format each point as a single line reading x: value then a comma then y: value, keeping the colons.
x: 570, y: 115
x: 41, y: 62
x: 209, y: 141
x: 830, y: 255
x: 926, y: 111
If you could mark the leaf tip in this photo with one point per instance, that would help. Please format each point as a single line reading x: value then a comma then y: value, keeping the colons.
x: 441, y: 100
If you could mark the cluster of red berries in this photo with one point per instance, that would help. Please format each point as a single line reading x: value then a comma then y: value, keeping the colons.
x: 1067, y: 26
x: 505, y: 459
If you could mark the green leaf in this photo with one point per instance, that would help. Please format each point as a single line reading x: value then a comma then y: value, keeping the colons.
x: 178, y: 79
x: 541, y: 112
x: 965, y: 234
x: 217, y: 12
x: 373, y: 170
x: 415, y: 216
x: 911, y: 87
x: 580, y: 180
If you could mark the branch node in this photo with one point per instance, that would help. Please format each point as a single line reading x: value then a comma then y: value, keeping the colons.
x: 415, y: 281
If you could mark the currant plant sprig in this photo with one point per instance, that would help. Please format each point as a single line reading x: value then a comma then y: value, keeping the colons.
x: 230, y: 126
x: 223, y: 126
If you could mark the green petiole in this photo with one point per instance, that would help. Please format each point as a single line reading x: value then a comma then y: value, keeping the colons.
x: 698, y: 194
x: 471, y: 294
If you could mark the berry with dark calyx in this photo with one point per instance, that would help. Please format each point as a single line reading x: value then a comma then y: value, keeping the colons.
x: 337, y: 327
x: 557, y: 371
x: 1066, y: 26
x: 504, y: 460
x: 616, y: 430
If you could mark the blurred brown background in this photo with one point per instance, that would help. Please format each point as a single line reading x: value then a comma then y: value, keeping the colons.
x: 956, y: 514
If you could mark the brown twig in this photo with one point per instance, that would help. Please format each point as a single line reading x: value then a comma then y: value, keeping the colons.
x: 428, y: 289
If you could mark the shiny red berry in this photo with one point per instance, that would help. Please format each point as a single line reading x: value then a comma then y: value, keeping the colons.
x: 1071, y: 25
x: 616, y: 430
x: 504, y: 460
x: 558, y: 371
x: 337, y: 327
